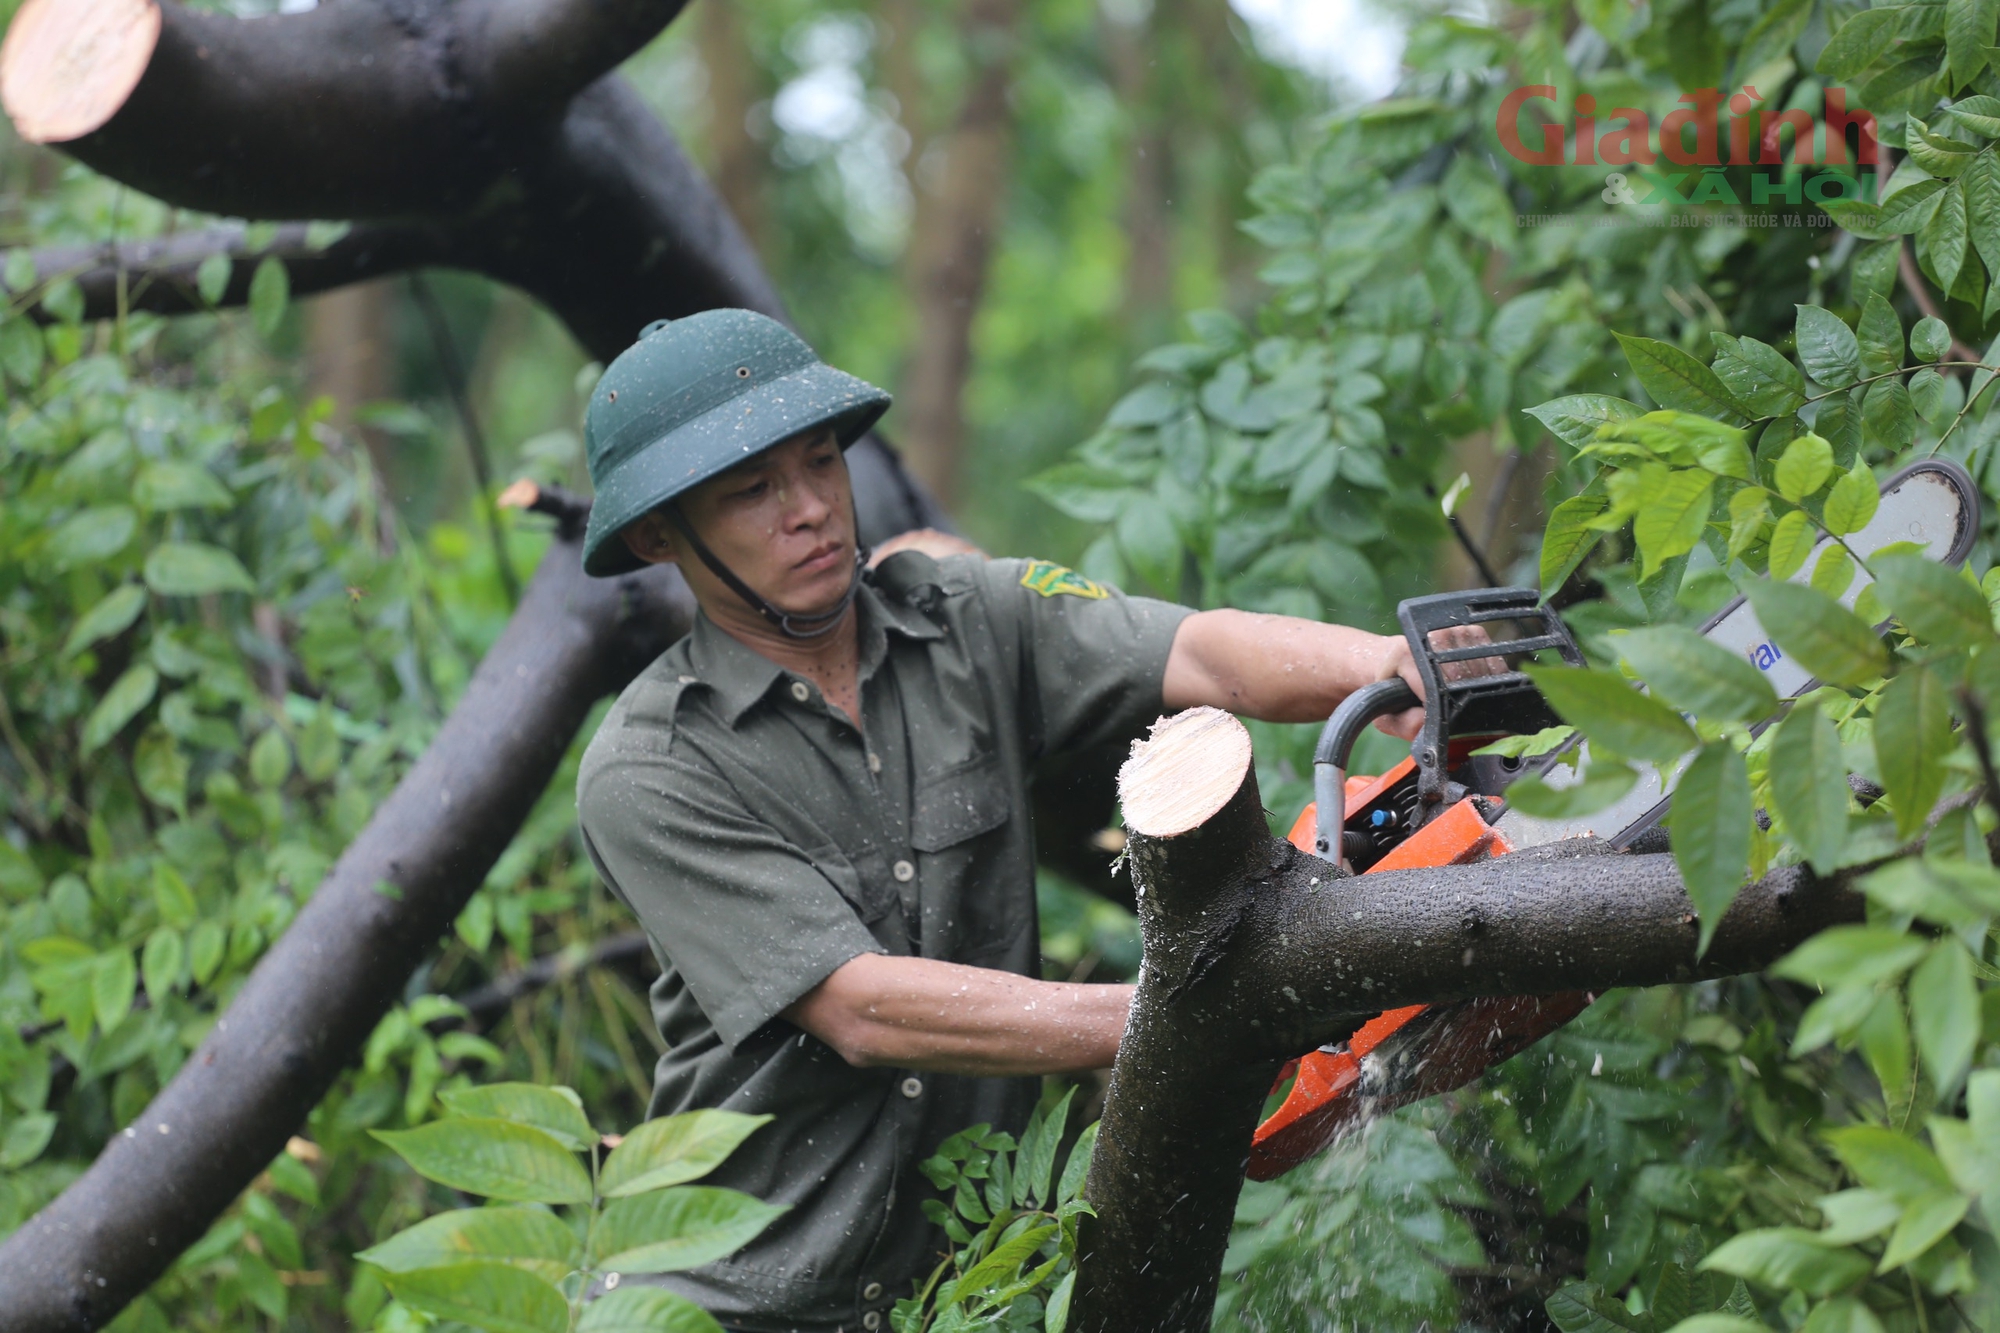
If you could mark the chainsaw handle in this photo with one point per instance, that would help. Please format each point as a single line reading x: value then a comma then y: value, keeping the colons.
x: 1336, y: 744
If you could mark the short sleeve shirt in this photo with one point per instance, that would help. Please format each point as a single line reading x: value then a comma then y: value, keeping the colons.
x: 763, y: 841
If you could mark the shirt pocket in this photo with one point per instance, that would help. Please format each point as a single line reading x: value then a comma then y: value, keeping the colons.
x: 963, y: 803
x: 862, y: 878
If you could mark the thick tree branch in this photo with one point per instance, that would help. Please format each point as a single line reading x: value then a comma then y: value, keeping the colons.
x: 313, y: 999
x: 1256, y: 952
x: 531, y: 56
x: 159, y: 274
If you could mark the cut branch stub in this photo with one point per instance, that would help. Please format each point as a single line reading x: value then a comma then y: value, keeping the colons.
x: 68, y: 65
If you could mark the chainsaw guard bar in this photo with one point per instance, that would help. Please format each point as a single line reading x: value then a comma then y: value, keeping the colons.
x: 1336, y: 744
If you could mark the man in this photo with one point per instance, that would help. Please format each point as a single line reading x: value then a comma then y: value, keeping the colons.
x: 816, y: 803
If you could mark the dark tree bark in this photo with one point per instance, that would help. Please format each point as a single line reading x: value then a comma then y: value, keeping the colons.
x: 1256, y: 953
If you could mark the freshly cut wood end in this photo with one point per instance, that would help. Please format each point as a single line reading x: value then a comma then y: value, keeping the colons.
x: 68, y: 65
x: 1184, y: 772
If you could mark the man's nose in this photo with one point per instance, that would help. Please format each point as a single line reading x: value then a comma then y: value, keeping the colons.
x: 805, y: 507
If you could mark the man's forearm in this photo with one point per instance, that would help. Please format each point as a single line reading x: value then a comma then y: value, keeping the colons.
x: 921, y: 1013
x: 1274, y: 668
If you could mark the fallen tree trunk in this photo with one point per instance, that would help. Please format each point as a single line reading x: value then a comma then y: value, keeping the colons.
x: 1256, y: 952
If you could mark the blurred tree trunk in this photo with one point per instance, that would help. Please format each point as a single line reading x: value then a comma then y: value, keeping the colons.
x: 959, y: 198
x: 1132, y: 44
x: 350, y: 356
x: 1500, y: 509
x: 735, y: 86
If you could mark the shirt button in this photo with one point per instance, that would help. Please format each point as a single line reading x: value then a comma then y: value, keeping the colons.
x: 874, y: 762
x: 872, y: 1320
x: 903, y: 871
x: 801, y: 691
x: 913, y: 1087
x: 872, y: 1292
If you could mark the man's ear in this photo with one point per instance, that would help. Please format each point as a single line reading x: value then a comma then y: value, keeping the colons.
x: 651, y: 538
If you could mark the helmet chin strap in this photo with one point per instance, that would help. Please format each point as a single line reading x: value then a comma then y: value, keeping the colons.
x: 791, y: 626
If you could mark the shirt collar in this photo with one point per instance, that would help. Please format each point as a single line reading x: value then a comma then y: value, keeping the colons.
x: 739, y: 676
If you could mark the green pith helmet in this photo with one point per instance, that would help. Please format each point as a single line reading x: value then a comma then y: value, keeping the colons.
x: 694, y: 397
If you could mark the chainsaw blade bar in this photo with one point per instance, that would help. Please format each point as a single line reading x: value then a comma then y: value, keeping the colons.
x: 1932, y: 503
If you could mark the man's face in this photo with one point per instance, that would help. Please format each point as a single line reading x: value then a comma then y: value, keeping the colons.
x: 783, y: 521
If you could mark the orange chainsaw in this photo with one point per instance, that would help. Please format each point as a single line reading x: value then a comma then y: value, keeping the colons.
x: 1444, y: 805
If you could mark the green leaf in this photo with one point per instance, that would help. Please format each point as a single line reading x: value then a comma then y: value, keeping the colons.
x: 161, y: 961
x: 1056, y: 1317
x: 112, y: 615
x: 1944, y: 1011
x: 171, y: 896
x: 1809, y: 785
x: 1758, y: 376
x: 1893, y: 1163
x: 173, y: 485
x: 494, y: 1158
x: 1912, y: 738
x: 1717, y: 1322
x: 1925, y: 1222
x: 1678, y: 381
x: 528, y: 1238
x: 1880, y: 335
x: 194, y: 569
x: 121, y: 703
x: 270, y: 292
x: 91, y: 537
x: 1823, y: 636
x: 21, y: 349
x: 1851, y: 956
x: 1934, y: 603
x: 1569, y: 538
x: 1857, y: 1214
x: 1614, y: 715
x: 1602, y: 784
x: 645, y: 1310
x: 1852, y: 502
x: 1843, y: 1314
x: 547, y: 1109
x: 1748, y: 509
x: 1076, y: 1169
x: 1792, y: 539
x: 1575, y: 420
x: 26, y: 1138
x: 1888, y: 417
x: 1833, y: 572
x: 270, y: 759
x: 1711, y: 831
x: 205, y: 945
x: 1827, y: 347
x: 685, y: 1226
x: 1944, y: 236
x: 1697, y: 676
x: 1785, y: 1257
x: 1968, y: 31
x: 114, y: 981
x: 1930, y: 339
x: 211, y: 279
x: 1804, y: 467
x: 1859, y: 43
x: 1927, y: 394
x: 675, y: 1149
x: 496, y: 1297
x: 1981, y: 183
x: 1671, y: 519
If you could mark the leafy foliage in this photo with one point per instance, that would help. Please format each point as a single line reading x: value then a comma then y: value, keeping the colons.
x: 1012, y: 1220
x: 529, y: 1269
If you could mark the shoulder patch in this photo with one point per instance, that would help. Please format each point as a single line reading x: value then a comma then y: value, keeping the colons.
x: 1051, y: 579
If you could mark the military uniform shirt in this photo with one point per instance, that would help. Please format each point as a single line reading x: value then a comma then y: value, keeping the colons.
x: 763, y: 841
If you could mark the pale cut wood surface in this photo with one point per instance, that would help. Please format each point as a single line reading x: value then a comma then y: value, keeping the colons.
x: 68, y: 65
x: 1185, y: 771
